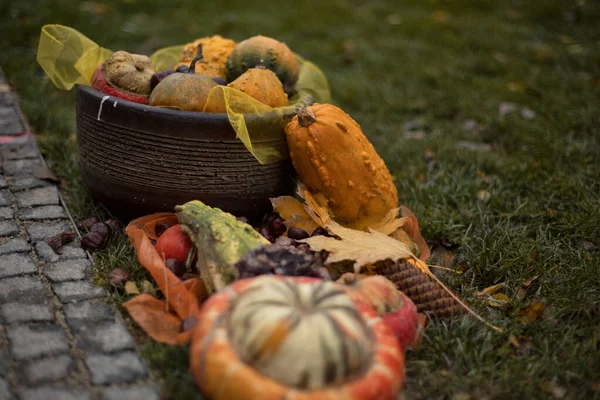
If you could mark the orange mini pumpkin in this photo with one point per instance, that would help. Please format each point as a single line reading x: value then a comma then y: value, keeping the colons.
x: 187, y: 91
x: 263, y: 85
x: 333, y: 156
x: 215, y: 49
x: 273, y: 337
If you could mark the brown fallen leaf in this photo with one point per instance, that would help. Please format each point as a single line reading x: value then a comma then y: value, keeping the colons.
x: 529, y: 314
x: 59, y: 240
x: 491, y: 289
x: 498, y: 300
x: 361, y: 247
x: 152, y: 316
x: 293, y: 213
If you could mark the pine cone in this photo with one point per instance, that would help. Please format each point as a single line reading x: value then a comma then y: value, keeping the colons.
x: 424, y: 291
x: 281, y: 260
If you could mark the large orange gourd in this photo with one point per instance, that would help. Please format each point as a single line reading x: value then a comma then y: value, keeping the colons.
x: 333, y: 156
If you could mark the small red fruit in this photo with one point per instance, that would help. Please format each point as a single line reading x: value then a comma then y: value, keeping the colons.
x: 174, y: 244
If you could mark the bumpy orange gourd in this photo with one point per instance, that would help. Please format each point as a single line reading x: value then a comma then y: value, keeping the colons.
x: 187, y: 91
x: 215, y: 49
x: 333, y: 156
x: 262, y: 85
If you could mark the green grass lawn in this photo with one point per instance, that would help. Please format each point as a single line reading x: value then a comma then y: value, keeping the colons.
x: 511, y: 195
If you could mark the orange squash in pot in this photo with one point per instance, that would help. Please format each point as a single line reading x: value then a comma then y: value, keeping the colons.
x: 187, y: 91
x: 263, y: 85
x: 332, y: 155
x: 215, y: 49
x: 270, y: 338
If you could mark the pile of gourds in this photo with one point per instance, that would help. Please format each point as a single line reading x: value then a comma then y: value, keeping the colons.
x: 261, y: 67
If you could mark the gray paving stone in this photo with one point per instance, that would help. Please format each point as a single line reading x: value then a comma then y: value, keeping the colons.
x: 45, y: 252
x: 12, y: 167
x: 16, y: 151
x: 5, y: 362
x: 27, y: 341
x: 16, y: 264
x: 24, y: 289
x: 19, y: 312
x: 48, y: 369
x: 68, y: 292
x: 5, y: 198
x: 49, y: 393
x: 25, y: 181
x: 6, y: 213
x: 104, y: 337
x: 39, y: 231
x: 3, y: 183
x: 72, y: 250
x: 89, y: 311
x: 117, y: 368
x: 44, y: 196
x: 5, y: 390
x: 132, y: 393
x: 8, y: 228
x: 41, y: 213
x: 14, y: 246
x: 69, y: 270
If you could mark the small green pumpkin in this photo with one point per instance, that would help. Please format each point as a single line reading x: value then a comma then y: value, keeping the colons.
x: 276, y: 56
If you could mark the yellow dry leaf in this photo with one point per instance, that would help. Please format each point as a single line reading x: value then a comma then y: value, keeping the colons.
x: 361, y: 247
x: 498, y: 300
x: 293, y: 213
x: 147, y: 286
x: 491, y: 289
x: 316, y: 206
x: 131, y: 288
x: 530, y: 313
x: 390, y: 223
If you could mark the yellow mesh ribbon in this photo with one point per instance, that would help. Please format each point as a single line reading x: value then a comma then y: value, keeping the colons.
x: 68, y: 58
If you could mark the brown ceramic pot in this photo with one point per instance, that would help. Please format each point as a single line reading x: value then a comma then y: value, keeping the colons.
x: 138, y: 159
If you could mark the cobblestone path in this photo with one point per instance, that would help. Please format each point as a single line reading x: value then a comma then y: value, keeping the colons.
x: 60, y: 337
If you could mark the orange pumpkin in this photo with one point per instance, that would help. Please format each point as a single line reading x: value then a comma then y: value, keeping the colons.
x: 273, y: 337
x: 333, y: 156
x: 262, y: 85
x: 215, y: 49
x: 187, y: 91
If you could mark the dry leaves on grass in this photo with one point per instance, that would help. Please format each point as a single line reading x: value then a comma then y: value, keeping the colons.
x: 531, y: 313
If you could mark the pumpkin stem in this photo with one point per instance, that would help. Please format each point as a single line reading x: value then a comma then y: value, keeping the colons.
x: 306, y: 117
x: 199, y: 58
x: 261, y: 64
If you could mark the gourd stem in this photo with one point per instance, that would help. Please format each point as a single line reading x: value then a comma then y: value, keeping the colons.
x: 306, y: 117
x: 199, y: 57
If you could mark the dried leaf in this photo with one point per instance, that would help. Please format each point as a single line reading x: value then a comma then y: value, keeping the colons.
x: 529, y: 282
x: 131, y: 288
x: 316, y: 206
x: 293, y: 213
x: 483, y: 196
x: 147, y: 287
x: 411, y: 226
x: 530, y: 313
x: 117, y: 276
x: 491, y: 289
x: 152, y: 316
x: 523, y: 344
x: 361, y: 247
x: 59, y: 240
x: 390, y: 223
x: 498, y: 300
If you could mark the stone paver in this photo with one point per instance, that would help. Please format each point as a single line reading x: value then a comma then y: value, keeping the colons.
x: 134, y: 393
x: 89, y: 311
x: 116, y: 368
x: 48, y: 369
x: 16, y: 264
x: 19, y: 312
x: 76, y: 291
x: 24, y: 289
x: 14, y: 246
x: 41, y: 213
x: 49, y: 393
x: 51, y: 315
x: 8, y: 228
x: 45, y: 252
x: 68, y: 270
x: 104, y: 337
x: 41, y: 231
x: 6, y: 213
x: 27, y: 341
